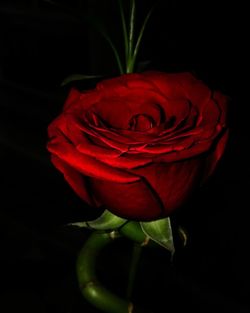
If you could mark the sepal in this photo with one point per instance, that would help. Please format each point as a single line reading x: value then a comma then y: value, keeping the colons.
x: 160, y: 231
x: 106, y: 221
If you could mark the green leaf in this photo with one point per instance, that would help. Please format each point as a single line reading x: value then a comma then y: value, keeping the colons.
x: 75, y: 77
x: 104, y: 222
x: 160, y: 231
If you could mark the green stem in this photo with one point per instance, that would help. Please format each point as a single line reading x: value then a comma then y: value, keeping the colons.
x: 133, y: 268
x: 90, y: 287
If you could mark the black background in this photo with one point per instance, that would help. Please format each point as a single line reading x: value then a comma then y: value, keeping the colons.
x: 43, y: 42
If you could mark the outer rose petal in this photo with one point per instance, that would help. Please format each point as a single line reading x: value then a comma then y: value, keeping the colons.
x: 132, y: 201
x: 87, y: 165
x: 222, y: 102
x: 120, y: 85
x: 173, y: 182
x: 74, y: 178
x: 117, y: 111
x: 180, y: 86
x: 216, y: 155
x: 69, y: 127
x: 220, y: 143
x: 79, y: 101
x: 112, y: 158
x: 192, y: 152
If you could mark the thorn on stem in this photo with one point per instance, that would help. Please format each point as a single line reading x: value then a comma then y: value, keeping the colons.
x: 113, y: 234
x: 145, y: 242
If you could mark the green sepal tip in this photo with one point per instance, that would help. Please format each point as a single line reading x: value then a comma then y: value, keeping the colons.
x: 160, y: 231
x: 106, y: 221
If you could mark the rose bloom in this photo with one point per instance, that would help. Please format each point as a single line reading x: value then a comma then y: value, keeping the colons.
x: 139, y: 144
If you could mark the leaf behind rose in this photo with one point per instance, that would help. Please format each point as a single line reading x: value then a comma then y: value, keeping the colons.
x: 106, y: 221
x: 76, y: 77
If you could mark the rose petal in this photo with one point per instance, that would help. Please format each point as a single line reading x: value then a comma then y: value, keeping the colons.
x: 106, y: 154
x: 73, y: 98
x: 112, y: 157
x: 117, y: 111
x: 59, y: 146
x: 119, y: 85
x: 106, y: 137
x: 178, y: 145
x: 112, y: 138
x: 173, y: 182
x: 80, y: 101
x: 132, y: 201
x: 184, y: 121
x: 194, y: 151
x: 74, y: 179
x: 216, y: 155
x: 180, y: 86
x: 169, y: 85
x: 222, y: 103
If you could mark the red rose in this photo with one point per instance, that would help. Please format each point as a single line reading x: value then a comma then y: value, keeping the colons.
x: 139, y: 144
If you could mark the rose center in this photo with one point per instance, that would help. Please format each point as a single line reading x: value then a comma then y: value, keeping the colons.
x: 141, y: 122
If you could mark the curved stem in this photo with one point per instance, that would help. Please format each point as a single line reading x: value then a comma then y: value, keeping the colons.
x: 90, y: 287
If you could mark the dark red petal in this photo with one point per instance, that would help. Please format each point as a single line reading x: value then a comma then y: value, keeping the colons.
x: 73, y: 130
x: 180, y: 86
x: 117, y: 111
x: 216, y: 155
x: 173, y: 182
x: 84, y: 145
x: 158, y: 148
x: 80, y: 101
x: 209, y: 115
x: 136, y: 201
x: 115, y: 139
x: 112, y: 157
x: 222, y: 102
x: 168, y: 84
x: 180, y: 128
x: 74, y: 179
x: 118, y: 86
x: 192, y: 152
x: 72, y: 98
x: 160, y: 134
x: 207, y: 126
x: 59, y: 146
x: 107, y: 137
x: 177, y: 109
